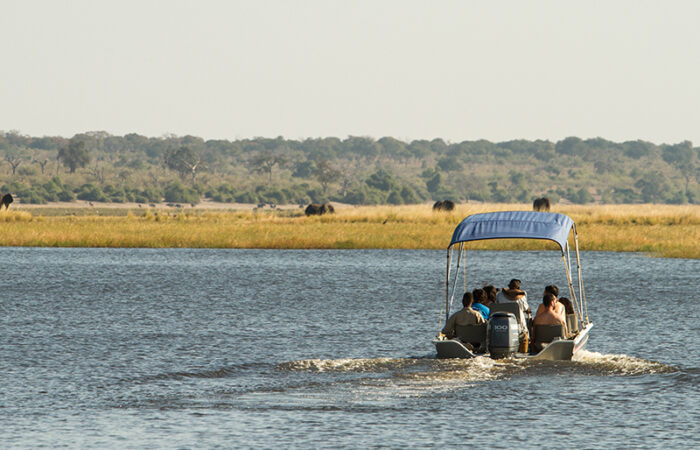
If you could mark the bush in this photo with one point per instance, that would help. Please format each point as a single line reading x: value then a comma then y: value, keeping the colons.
x: 246, y: 197
x: 152, y: 195
x: 365, y: 196
x: 26, y: 171
x: 273, y: 196
x: 177, y: 193
x: 316, y: 195
x: 394, y: 198
x: 33, y: 197
x: 66, y: 196
x: 409, y: 196
x: 91, y: 193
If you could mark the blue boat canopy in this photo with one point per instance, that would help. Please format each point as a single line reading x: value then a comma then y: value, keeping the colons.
x: 514, y: 225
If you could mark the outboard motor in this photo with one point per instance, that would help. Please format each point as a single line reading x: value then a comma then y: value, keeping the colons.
x: 503, y: 335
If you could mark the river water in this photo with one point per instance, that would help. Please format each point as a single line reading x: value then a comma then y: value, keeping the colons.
x: 276, y: 349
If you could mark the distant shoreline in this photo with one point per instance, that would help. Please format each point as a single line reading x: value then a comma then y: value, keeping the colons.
x: 658, y: 230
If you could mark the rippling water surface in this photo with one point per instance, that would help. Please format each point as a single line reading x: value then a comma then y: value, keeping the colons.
x: 242, y: 348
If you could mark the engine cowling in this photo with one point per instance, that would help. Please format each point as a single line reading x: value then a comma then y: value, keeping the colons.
x: 503, y: 335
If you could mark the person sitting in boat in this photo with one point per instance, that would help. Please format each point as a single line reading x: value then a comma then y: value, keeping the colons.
x: 513, y: 293
x: 491, y: 294
x: 548, y: 316
x: 480, y: 299
x: 559, y: 308
x: 465, y: 316
x: 568, y: 307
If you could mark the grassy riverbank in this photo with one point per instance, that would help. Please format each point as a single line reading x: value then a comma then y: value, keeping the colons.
x: 661, y: 230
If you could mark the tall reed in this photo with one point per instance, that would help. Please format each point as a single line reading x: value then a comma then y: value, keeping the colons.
x: 665, y: 230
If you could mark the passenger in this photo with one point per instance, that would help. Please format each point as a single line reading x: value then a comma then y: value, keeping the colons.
x: 549, y: 315
x: 479, y: 299
x: 568, y: 307
x: 491, y: 294
x: 513, y: 293
x: 465, y: 316
x: 559, y: 308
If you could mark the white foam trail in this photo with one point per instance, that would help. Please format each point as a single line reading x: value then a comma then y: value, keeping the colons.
x: 413, y: 370
x: 620, y: 364
x: 348, y: 364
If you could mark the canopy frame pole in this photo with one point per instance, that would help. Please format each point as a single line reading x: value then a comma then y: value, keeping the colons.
x: 567, y: 262
x: 582, y: 292
x: 447, y: 285
x: 454, y: 284
x: 449, y: 298
x: 463, y: 250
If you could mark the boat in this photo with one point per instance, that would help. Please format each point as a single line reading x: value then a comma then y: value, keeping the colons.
x: 498, y: 337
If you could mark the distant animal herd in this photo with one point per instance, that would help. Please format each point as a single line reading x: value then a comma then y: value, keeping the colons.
x: 539, y: 204
x: 318, y: 209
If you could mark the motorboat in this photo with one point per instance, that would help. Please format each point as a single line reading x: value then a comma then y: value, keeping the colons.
x: 498, y: 337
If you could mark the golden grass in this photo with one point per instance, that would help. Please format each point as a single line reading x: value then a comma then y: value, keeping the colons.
x: 663, y: 230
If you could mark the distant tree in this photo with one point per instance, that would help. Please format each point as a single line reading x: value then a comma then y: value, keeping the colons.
x: 394, y: 198
x: 42, y: 164
x: 98, y: 171
x: 74, y: 155
x: 184, y: 161
x: 362, y: 146
x: 394, y: 148
x: 381, y: 180
x: 637, y: 149
x: 682, y: 157
x: 569, y: 146
x: 419, y: 148
x: 266, y: 160
x: 13, y: 160
x: 449, y: 163
x: 653, y: 187
x: 325, y: 174
x: 434, y: 183
x: 409, y: 196
x: 304, y: 169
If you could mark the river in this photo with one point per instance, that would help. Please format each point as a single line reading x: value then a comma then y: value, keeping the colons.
x: 275, y: 349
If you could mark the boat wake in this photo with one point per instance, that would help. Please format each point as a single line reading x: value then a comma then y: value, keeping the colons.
x: 410, y: 369
x: 619, y: 364
x: 481, y: 368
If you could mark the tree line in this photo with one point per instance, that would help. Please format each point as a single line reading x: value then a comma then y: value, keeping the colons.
x: 98, y: 166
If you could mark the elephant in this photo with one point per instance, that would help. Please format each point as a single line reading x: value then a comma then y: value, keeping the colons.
x: 541, y: 204
x: 6, y: 200
x: 444, y: 205
x: 317, y: 209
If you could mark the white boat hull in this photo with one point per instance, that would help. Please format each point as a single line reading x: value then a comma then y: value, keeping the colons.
x: 560, y: 350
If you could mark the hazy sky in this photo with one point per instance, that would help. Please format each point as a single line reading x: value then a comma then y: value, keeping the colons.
x: 459, y: 70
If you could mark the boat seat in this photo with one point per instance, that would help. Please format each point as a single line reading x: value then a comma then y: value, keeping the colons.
x: 572, y: 323
x: 546, y: 333
x: 473, y: 334
x: 510, y: 307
